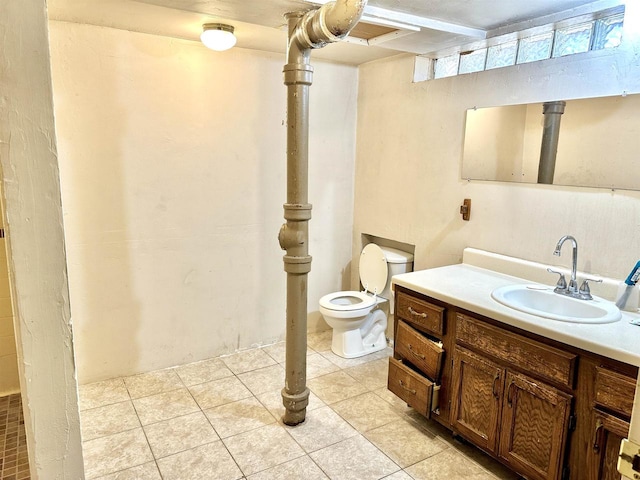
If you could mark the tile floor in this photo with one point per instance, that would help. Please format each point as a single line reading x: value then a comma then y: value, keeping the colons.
x: 14, y: 459
x: 220, y: 419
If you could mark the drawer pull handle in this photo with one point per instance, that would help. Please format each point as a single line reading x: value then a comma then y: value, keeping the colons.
x: 596, y: 441
x: 495, y: 381
x: 411, y: 391
x: 417, y: 314
x: 420, y: 356
x: 510, y: 394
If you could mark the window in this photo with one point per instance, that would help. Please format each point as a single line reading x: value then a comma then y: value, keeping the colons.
x: 603, y: 30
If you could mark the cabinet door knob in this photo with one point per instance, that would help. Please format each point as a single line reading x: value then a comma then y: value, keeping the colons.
x: 417, y: 314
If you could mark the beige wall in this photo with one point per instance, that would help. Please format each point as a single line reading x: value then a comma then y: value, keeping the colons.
x: 494, y: 143
x: 35, y: 241
x: 409, y: 149
x: 173, y: 173
x: 603, y: 128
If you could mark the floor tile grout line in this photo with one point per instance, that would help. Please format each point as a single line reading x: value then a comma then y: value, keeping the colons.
x: 111, y: 434
x: 281, y: 425
x: 216, y: 432
x: 225, y: 403
x: 352, y: 425
x: 373, y: 444
x: 209, y: 381
x: 153, y: 455
x: 105, y: 405
x: 274, y: 358
x: 157, y: 393
x: 321, y: 469
x: 276, y: 421
x: 344, y: 367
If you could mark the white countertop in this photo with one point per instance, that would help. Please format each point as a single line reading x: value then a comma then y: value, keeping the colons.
x: 469, y: 287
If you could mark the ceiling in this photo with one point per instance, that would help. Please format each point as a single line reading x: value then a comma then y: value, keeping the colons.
x: 391, y: 26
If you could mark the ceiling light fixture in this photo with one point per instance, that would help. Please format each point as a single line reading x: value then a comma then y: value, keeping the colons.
x: 217, y: 36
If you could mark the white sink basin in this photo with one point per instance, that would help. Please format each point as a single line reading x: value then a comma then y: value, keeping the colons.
x: 542, y: 301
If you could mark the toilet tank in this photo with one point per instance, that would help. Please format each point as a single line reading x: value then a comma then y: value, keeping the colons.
x: 397, y: 262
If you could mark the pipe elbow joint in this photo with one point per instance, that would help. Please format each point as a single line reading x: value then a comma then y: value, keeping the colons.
x: 329, y: 24
x: 338, y: 18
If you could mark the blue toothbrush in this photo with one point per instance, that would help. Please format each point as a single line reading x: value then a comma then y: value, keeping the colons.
x: 631, y: 280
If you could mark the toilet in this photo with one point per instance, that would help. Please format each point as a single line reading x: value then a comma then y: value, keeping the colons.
x: 357, y: 318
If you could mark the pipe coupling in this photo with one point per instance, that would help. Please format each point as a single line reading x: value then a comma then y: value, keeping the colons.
x: 308, y: 33
x: 553, y: 107
x: 318, y: 30
x: 297, y: 212
x: 295, y: 405
x: 298, y: 74
x: 297, y: 265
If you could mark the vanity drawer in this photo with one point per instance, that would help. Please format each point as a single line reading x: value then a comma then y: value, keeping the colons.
x: 534, y: 357
x: 615, y: 391
x: 414, y: 389
x: 421, y: 313
x: 425, y: 354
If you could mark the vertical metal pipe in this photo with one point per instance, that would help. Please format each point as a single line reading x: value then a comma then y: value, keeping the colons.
x: 307, y: 30
x: 550, y: 135
x: 298, y: 76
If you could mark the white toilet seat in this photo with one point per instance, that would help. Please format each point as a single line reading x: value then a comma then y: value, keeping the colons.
x: 359, y: 324
x: 347, y: 301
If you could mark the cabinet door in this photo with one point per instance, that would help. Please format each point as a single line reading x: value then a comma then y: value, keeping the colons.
x: 477, y: 385
x: 534, y: 427
x: 608, y: 433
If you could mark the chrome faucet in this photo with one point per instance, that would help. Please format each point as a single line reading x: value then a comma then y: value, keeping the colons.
x: 572, y: 288
x: 583, y: 293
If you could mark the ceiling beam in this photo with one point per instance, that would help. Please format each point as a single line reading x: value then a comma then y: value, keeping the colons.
x: 407, y: 20
x: 388, y: 23
x: 380, y: 39
x: 423, y: 22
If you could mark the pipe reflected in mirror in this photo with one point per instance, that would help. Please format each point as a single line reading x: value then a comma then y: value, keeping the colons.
x: 552, y: 112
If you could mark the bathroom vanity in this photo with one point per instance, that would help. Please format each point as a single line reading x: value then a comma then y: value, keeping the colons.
x: 550, y: 399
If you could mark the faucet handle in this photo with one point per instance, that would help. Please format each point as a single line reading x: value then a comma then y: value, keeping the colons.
x: 585, y: 291
x: 562, y: 282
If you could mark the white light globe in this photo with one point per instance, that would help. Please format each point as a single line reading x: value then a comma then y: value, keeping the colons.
x: 217, y: 36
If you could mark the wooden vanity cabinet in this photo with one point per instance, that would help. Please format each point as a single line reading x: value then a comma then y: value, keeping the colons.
x: 547, y: 410
x: 614, y: 394
x: 520, y: 419
x: 415, y: 371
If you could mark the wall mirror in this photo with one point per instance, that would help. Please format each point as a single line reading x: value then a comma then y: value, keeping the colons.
x: 598, y: 143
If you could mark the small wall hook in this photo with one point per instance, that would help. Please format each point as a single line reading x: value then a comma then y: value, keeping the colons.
x: 465, y: 209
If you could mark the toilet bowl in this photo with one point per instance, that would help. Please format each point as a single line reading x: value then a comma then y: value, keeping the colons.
x: 358, y: 319
x: 358, y: 323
